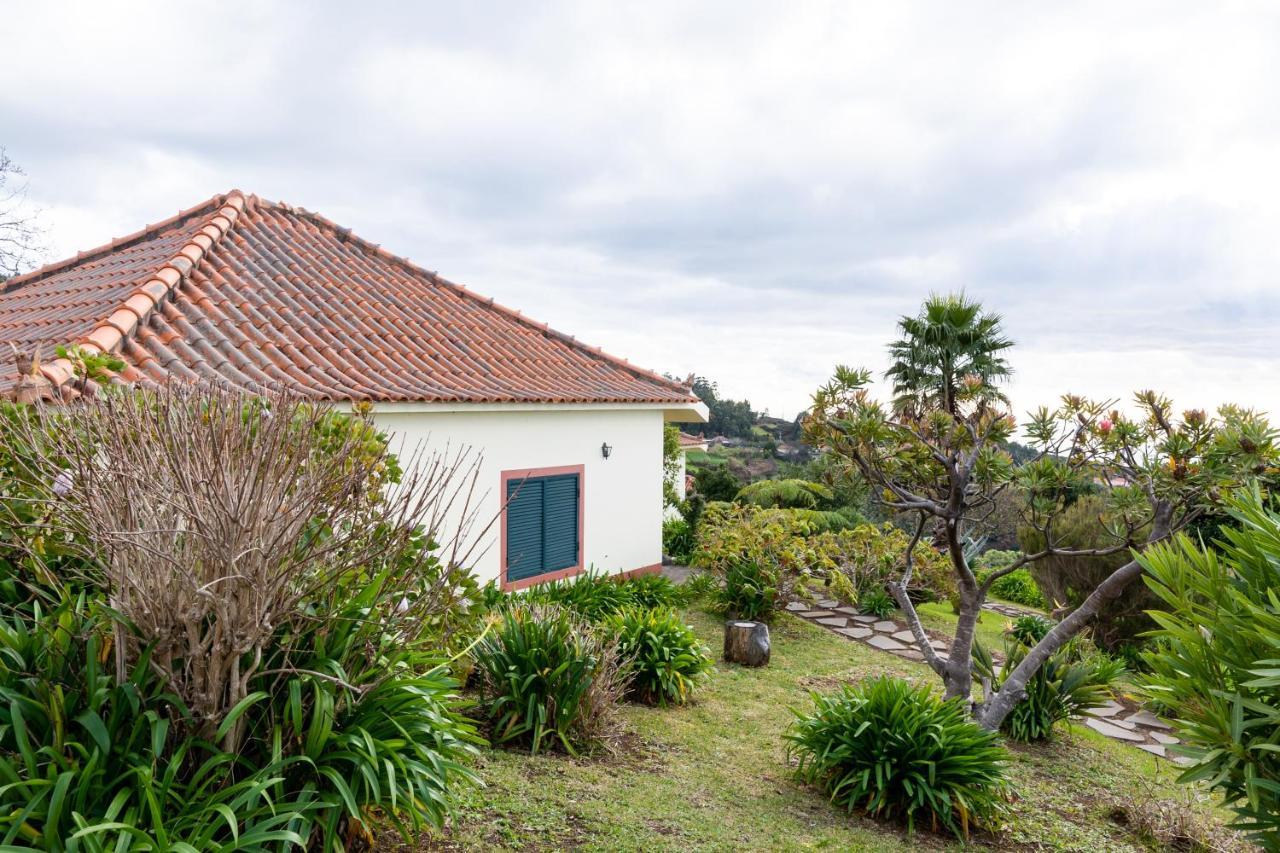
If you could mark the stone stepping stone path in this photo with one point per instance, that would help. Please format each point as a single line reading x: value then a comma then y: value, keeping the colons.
x: 1134, y: 726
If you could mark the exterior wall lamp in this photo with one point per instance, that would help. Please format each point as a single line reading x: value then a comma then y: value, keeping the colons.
x: 605, y: 450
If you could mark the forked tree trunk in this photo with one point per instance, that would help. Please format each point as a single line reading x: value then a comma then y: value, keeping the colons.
x: 746, y: 642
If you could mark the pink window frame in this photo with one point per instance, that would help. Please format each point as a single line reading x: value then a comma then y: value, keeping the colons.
x: 525, y: 473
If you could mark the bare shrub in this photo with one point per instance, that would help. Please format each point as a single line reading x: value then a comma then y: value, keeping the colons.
x: 211, y: 516
x: 1174, y: 824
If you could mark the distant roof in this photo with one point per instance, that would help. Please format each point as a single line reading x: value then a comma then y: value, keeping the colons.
x: 265, y: 296
x: 687, y: 440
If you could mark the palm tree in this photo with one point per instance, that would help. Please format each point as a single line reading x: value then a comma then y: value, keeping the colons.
x: 950, y: 353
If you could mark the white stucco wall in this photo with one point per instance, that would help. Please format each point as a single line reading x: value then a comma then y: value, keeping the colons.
x: 622, y: 502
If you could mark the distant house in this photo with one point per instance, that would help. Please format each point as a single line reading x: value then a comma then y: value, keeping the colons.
x: 260, y: 295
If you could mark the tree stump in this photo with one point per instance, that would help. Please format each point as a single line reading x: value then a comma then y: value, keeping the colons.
x: 746, y: 643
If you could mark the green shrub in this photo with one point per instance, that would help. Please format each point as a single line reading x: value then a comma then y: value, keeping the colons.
x: 595, y: 595
x: 716, y: 483
x: 878, y: 603
x: 678, y: 540
x: 899, y: 752
x: 698, y: 586
x: 750, y: 590
x: 1215, y: 664
x: 663, y: 655
x: 1072, y: 680
x: 548, y: 679
x: 785, y: 494
x: 1019, y: 587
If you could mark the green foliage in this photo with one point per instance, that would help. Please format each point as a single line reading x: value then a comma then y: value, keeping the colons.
x: 547, y: 679
x: 716, y: 483
x: 1019, y: 587
x: 732, y: 418
x: 878, y: 603
x: 1216, y: 660
x: 664, y: 656
x: 670, y: 464
x: 951, y: 345
x: 768, y: 551
x: 1072, y: 680
x: 751, y: 590
x: 786, y: 494
x: 899, y: 752
x: 113, y: 763
x: 90, y: 365
x: 596, y: 595
x: 1066, y: 581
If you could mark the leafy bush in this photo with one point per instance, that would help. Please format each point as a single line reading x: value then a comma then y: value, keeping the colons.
x: 900, y: 752
x: 750, y: 590
x: 1216, y: 661
x: 663, y: 655
x: 547, y: 678
x: 1066, y: 581
x: 595, y: 595
x: 678, y: 540
x: 782, y: 547
x: 1072, y: 680
x: 716, y: 483
x: 878, y: 603
x: 1019, y: 587
x: 785, y: 494
x: 284, y: 708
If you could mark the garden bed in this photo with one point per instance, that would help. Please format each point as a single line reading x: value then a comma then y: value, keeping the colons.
x: 714, y: 775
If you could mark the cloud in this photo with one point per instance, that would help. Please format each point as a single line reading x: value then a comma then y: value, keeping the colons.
x: 749, y: 191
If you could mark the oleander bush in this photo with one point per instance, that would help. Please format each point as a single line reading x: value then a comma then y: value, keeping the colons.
x: 890, y: 750
x: 663, y: 655
x: 1072, y: 680
x: 548, y: 679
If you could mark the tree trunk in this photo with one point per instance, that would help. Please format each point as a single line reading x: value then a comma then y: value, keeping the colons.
x: 746, y: 643
x: 991, y: 714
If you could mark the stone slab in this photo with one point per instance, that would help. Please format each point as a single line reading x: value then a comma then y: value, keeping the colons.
x: 828, y: 602
x: 815, y: 614
x: 850, y: 611
x: 910, y: 654
x: 886, y: 626
x: 889, y: 644
x: 905, y: 636
x: 857, y: 632
x: 1149, y: 720
x: 938, y: 644
x: 1110, y: 709
x: 793, y: 606
x: 1153, y: 748
x: 1114, y: 732
x: 865, y: 619
x: 834, y: 621
x: 1163, y: 738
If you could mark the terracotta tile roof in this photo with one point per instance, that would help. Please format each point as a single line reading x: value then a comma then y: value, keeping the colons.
x: 690, y: 441
x: 263, y: 295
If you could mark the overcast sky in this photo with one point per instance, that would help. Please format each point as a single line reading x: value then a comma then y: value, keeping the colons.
x: 754, y: 192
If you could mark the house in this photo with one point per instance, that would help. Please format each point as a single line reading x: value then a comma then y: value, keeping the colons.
x: 259, y: 295
x: 683, y: 480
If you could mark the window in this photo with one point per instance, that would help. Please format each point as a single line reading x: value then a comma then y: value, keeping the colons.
x: 541, y: 525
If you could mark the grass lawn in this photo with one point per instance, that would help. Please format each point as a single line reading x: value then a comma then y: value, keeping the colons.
x: 714, y: 775
x: 937, y: 616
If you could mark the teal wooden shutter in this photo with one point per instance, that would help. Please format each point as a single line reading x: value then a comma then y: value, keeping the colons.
x: 524, y: 529
x: 559, y: 522
x: 542, y: 525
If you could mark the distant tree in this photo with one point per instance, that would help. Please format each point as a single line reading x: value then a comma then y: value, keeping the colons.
x: 716, y: 483
x: 18, y: 231
x: 732, y: 418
